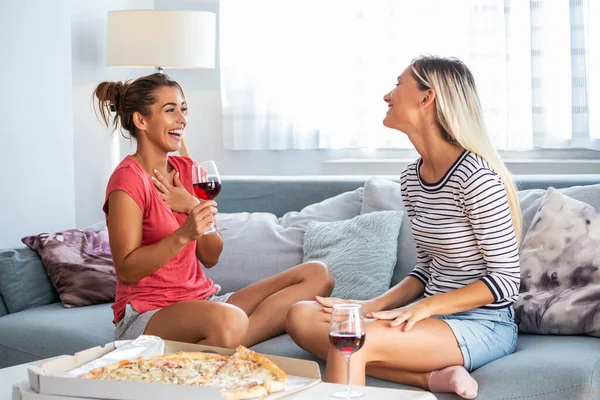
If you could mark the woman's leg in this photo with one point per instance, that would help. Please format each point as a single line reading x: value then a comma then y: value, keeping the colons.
x: 199, y: 321
x: 388, y: 353
x: 267, y: 302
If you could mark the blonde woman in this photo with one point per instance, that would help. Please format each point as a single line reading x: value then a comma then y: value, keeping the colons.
x: 466, y: 222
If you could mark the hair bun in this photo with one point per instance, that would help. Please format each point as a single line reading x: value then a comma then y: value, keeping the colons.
x: 111, y: 93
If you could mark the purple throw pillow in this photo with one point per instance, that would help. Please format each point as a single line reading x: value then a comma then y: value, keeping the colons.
x: 79, y: 264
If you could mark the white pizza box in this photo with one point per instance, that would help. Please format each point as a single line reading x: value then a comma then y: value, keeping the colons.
x: 22, y: 391
x: 46, y: 379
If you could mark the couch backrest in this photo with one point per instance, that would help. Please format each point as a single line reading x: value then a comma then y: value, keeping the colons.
x: 280, y: 194
x: 27, y: 285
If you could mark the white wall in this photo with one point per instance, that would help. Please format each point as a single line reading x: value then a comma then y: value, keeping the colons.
x: 36, y: 179
x: 91, y: 141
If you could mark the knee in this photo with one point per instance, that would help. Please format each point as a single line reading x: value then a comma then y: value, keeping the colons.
x: 299, y: 318
x: 231, y: 329
x: 318, y: 273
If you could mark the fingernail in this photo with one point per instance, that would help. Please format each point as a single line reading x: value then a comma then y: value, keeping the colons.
x: 155, y: 171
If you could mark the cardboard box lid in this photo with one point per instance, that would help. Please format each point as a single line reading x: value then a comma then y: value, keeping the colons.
x: 44, y: 380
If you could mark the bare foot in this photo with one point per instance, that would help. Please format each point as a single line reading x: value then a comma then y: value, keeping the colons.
x: 453, y: 379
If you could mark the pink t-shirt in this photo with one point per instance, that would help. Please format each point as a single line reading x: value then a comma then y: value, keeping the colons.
x: 180, y: 279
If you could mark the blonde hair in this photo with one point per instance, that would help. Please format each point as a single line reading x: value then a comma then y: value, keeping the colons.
x: 458, y: 112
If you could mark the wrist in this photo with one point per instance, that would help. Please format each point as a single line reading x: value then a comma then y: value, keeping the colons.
x: 372, y: 305
x: 193, y: 203
x: 180, y: 238
x: 430, y: 305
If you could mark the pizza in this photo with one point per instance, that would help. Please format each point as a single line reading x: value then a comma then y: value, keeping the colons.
x: 243, y: 375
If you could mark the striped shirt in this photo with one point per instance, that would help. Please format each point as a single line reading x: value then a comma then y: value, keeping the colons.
x: 463, y: 230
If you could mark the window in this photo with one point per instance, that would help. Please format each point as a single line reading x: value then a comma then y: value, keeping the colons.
x: 311, y: 74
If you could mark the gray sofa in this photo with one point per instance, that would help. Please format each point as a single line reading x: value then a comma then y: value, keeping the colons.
x: 543, y: 367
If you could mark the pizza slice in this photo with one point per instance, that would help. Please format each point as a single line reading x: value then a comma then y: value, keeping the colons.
x: 245, y: 368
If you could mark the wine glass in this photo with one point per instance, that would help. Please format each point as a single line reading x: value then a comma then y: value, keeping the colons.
x: 207, y: 185
x: 347, y: 335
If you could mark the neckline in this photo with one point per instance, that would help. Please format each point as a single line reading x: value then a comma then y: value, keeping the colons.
x: 439, y: 184
x: 137, y: 163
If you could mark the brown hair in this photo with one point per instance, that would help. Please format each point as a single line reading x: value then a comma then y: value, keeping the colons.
x: 127, y: 97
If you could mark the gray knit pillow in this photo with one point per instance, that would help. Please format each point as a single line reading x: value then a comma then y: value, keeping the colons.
x: 360, y: 252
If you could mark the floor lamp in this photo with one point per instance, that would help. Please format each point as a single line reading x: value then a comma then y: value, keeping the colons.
x: 161, y: 39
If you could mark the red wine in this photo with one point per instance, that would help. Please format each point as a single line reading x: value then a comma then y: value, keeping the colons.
x: 346, y: 342
x: 207, y: 190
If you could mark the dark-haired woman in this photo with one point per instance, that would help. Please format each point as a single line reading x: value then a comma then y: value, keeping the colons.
x: 156, y: 231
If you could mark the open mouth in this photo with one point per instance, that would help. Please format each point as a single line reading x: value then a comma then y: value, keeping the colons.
x: 177, y: 133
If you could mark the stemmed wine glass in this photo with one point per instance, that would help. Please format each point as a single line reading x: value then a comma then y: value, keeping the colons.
x: 207, y: 185
x: 347, y: 335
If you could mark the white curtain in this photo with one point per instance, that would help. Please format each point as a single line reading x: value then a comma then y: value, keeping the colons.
x: 311, y: 74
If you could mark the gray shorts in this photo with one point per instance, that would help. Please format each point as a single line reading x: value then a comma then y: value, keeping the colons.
x: 133, y: 323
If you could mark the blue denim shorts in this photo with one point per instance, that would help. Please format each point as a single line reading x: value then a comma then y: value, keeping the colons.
x: 483, y: 335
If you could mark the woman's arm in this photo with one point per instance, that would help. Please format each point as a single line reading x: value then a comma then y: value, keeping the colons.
x: 474, y: 295
x: 401, y: 294
x: 132, y: 260
x: 466, y: 298
x: 208, y: 247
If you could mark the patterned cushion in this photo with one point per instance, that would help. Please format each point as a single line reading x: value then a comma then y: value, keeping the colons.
x: 560, y: 269
x: 79, y: 265
x: 360, y: 252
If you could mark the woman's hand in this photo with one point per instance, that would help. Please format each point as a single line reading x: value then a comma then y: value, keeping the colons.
x: 368, y: 306
x: 176, y: 197
x: 411, y: 314
x: 199, y: 220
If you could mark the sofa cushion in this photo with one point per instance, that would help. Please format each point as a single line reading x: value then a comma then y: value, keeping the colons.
x: 24, y: 282
x: 52, y: 330
x: 560, y: 269
x: 79, y: 264
x: 259, y: 245
x: 3, y: 309
x: 542, y: 367
x: 382, y: 194
x: 360, y: 252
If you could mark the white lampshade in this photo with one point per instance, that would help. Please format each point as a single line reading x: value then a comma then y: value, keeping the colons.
x: 161, y: 39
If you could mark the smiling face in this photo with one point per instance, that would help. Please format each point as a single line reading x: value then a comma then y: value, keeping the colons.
x: 166, y: 123
x: 405, y: 103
